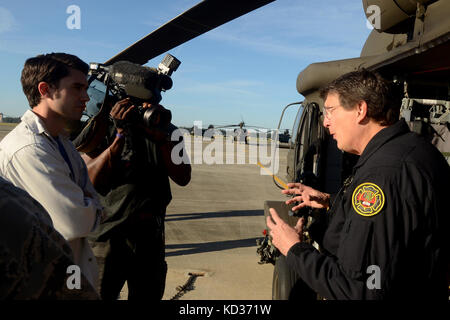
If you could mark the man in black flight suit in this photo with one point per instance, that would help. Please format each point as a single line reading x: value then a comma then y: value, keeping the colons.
x: 386, y: 229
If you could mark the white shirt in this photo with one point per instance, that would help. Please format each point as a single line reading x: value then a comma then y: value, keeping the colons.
x: 30, y: 159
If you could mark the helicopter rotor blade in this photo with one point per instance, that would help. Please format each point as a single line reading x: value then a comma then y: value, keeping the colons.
x: 201, y: 18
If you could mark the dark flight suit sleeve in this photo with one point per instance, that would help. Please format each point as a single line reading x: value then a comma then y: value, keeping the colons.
x: 366, y: 242
x: 34, y: 257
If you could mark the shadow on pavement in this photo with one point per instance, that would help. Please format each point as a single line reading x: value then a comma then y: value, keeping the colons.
x: 220, y: 214
x: 192, y: 248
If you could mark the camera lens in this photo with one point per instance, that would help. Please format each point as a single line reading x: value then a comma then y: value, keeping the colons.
x: 147, y: 117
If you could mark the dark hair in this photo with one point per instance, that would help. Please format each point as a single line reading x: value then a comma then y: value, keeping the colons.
x: 383, y: 102
x: 50, y: 68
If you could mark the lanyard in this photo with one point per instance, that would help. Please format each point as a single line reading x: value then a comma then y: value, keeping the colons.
x: 65, y: 156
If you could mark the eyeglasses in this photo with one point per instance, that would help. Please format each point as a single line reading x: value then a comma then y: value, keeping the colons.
x: 327, y: 111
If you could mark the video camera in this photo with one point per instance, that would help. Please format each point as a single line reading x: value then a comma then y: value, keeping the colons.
x: 141, y: 84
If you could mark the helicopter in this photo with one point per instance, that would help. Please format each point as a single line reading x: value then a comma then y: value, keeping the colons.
x: 240, y: 131
x: 203, y: 17
x: 409, y: 46
x: 122, y: 75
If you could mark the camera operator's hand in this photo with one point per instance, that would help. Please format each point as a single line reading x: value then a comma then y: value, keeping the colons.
x: 120, y: 112
x: 156, y: 133
x: 157, y: 112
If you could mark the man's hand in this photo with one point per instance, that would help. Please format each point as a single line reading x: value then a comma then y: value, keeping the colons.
x: 156, y: 112
x: 283, y: 235
x: 307, y: 196
x: 120, y: 112
x: 155, y: 133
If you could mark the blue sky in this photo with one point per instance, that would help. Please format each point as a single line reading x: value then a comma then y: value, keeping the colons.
x: 245, y: 69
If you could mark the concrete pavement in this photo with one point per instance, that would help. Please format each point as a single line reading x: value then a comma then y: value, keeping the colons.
x: 212, y: 226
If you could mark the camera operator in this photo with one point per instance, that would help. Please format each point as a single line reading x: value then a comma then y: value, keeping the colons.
x: 130, y: 171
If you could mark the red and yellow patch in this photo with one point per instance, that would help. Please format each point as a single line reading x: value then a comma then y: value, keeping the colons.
x: 368, y: 199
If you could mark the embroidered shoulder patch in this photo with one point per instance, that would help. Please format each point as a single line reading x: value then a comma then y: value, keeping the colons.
x: 368, y: 199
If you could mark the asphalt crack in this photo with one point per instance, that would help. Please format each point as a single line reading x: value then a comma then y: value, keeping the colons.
x: 188, y: 286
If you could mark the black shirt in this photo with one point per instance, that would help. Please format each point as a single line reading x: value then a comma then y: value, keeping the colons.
x: 140, y: 181
x: 386, y: 235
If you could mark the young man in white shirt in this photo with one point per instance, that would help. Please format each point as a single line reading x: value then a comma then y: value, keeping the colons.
x: 34, y: 256
x: 38, y: 157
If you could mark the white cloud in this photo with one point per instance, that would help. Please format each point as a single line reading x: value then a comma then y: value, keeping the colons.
x: 229, y: 88
x: 80, y: 46
x: 321, y: 30
x: 303, y: 50
x: 299, y: 30
x: 169, y: 11
x: 7, y: 21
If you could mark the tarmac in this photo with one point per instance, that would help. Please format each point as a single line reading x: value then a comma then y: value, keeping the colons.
x: 213, y: 223
x: 211, y: 230
x: 5, y: 128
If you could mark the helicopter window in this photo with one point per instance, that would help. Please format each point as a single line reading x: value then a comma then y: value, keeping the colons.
x: 297, y: 123
x: 309, y: 132
x: 96, y: 92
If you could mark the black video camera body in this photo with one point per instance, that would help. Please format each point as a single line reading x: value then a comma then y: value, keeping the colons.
x: 141, y: 84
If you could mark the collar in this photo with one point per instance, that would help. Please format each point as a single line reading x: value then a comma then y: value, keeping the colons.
x: 381, y: 138
x: 36, y: 124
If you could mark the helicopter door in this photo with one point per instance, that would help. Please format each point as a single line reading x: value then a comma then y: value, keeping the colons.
x: 308, y: 134
x: 290, y: 155
x: 308, y: 147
